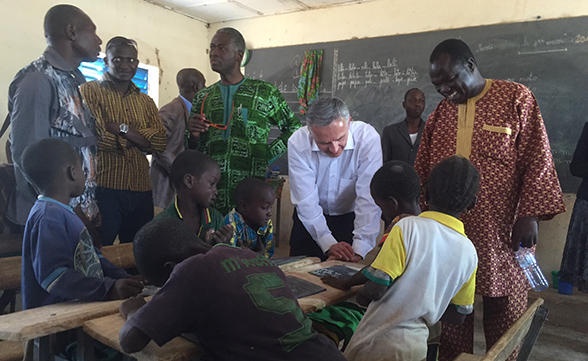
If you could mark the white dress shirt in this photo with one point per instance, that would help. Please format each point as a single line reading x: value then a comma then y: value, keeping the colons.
x: 322, y: 185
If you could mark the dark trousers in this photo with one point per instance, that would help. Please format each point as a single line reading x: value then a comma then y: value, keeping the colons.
x: 302, y: 244
x: 123, y: 213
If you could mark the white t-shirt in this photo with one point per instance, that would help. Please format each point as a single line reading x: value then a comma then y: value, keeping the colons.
x: 431, y: 263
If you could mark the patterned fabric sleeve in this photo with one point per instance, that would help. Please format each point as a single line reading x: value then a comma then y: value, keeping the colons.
x: 230, y: 219
x: 268, y: 238
x: 422, y: 162
x: 284, y: 118
x: 541, y: 193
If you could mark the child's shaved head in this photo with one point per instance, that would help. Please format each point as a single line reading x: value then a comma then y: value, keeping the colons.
x: 396, y: 179
x: 44, y: 162
x: 250, y: 188
x: 190, y: 162
x: 161, y: 241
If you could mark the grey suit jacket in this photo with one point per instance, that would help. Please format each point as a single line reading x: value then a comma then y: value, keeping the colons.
x: 396, y: 144
x: 174, y: 116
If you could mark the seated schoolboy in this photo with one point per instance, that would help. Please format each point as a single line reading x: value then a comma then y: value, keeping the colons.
x: 59, y: 261
x: 195, y: 176
x: 395, y: 188
x: 235, y: 301
x: 424, y: 273
x: 251, y: 218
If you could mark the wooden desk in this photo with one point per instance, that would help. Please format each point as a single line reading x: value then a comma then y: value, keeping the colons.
x: 329, y: 297
x: 47, y: 320
x: 107, y: 329
x: 42, y: 322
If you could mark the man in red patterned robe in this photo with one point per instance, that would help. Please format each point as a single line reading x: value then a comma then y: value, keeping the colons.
x: 498, y: 126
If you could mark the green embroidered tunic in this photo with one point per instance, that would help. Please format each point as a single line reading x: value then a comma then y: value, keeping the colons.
x: 250, y: 109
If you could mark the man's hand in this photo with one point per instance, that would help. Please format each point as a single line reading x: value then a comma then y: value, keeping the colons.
x: 124, y: 288
x: 342, y: 251
x: 129, y: 306
x: 524, y: 232
x: 223, y: 234
x: 196, y: 125
x: 113, y: 128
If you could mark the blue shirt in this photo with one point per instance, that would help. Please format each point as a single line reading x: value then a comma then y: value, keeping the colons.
x: 59, y: 261
x: 187, y: 102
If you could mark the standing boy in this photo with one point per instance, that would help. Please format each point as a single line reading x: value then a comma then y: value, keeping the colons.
x: 59, y: 262
x: 395, y: 188
x: 195, y: 176
x: 425, y: 272
x: 129, y: 126
x: 236, y: 302
x: 251, y: 219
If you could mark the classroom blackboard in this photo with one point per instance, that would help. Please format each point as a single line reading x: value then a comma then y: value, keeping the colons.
x: 371, y: 75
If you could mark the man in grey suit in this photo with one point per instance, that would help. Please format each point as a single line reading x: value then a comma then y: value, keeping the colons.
x: 174, y: 116
x: 400, y: 141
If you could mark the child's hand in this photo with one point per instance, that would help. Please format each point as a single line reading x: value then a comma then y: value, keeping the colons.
x: 124, y: 288
x: 335, y: 282
x: 140, y: 279
x: 223, y: 234
x: 129, y: 306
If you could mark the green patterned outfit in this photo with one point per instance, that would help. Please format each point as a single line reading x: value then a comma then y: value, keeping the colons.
x: 250, y: 108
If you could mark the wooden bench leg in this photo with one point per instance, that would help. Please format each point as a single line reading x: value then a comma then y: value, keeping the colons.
x: 8, y: 298
x: 42, y: 349
x: 534, y: 330
x: 85, y: 349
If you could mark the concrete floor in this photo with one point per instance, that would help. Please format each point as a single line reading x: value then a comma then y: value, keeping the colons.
x: 564, y: 336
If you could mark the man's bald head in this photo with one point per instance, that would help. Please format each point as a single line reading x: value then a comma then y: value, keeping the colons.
x: 190, y: 81
x: 72, y: 34
x: 58, y: 18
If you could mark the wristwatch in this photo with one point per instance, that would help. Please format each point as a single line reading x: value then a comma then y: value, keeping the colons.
x: 123, y: 129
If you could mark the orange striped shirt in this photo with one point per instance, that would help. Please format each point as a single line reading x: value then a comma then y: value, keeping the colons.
x: 118, y: 167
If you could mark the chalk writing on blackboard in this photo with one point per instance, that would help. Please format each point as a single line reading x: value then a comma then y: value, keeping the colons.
x: 371, y: 73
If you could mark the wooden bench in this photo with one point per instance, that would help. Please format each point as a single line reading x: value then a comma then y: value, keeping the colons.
x: 524, y: 332
x: 120, y: 254
x: 10, y: 271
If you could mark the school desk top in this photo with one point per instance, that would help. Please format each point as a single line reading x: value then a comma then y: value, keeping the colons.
x: 42, y: 321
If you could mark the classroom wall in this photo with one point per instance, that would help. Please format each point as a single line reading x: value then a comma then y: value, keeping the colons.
x: 390, y: 17
x: 172, y: 41
x: 166, y: 39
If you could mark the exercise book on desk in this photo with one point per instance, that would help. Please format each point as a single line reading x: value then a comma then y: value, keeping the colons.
x: 302, y: 288
x: 338, y: 271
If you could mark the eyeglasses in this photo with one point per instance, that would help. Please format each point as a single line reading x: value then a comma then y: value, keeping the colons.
x: 217, y: 126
